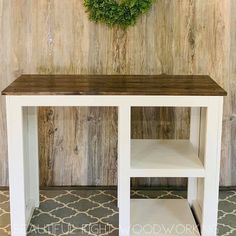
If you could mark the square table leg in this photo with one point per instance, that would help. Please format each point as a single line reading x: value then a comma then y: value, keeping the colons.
x: 194, y: 138
x: 124, y: 166
x: 30, y: 133
x: 23, y: 165
x: 210, y: 185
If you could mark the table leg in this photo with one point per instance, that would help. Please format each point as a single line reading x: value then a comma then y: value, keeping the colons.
x: 210, y: 186
x: 124, y: 166
x: 20, y: 152
x: 31, y: 144
x: 118, y: 183
x: 194, y: 138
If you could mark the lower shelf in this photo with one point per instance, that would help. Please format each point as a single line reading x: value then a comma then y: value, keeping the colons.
x: 161, y: 217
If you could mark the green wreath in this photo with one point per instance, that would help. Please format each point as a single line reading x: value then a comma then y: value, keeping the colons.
x: 117, y: 12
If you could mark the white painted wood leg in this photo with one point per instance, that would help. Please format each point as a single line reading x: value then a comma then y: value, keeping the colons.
x: 28, y: 138
x: 195, y: 127
x: 118, y: 183
x: 212, y: 166
x: 194, y: 138
x: 192, y: 190
x: 16, y: 168
x: 124, y: 166
x: 31, y: 146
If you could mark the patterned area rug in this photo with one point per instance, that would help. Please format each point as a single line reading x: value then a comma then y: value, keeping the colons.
x: 94, y: 212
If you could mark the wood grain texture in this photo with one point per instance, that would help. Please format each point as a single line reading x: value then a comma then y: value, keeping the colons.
x: 231, y: 123
x: 5, y: 78
x: 56, y: 37
x: 171, y: 85
x: 87, y: 160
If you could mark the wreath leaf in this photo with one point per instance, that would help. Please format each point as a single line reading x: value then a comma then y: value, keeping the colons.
x: 122, y: 13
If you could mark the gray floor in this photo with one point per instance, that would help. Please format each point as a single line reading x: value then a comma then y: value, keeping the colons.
x: 94, y: 212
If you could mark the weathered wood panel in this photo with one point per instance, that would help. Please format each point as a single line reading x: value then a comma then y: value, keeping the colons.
x: 175, y: 37
x: 90, y: 159
x: 232, y: 97
x: 5, y: 79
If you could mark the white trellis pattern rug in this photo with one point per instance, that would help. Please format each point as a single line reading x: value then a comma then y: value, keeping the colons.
x: 94, y: 212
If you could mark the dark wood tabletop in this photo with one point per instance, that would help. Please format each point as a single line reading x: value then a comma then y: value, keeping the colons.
x: 180, y: 85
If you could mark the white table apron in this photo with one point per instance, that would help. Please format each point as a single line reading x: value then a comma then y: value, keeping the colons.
x: 205, y: 135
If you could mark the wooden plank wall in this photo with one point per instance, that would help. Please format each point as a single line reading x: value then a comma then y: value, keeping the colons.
x: 232, y: 100
x: 78, y: 145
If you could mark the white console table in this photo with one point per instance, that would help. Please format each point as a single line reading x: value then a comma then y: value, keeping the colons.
x: 198, y: 158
